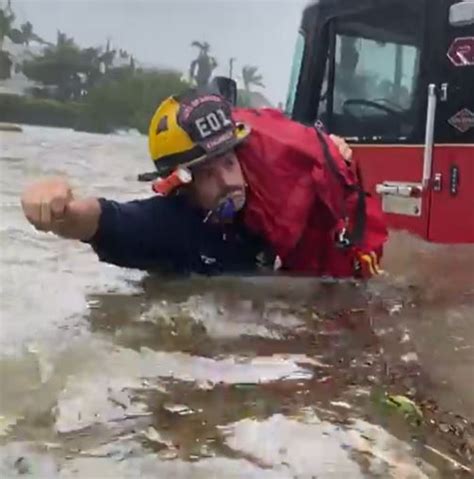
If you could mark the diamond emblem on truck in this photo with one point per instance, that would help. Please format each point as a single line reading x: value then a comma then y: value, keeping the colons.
x: 463, y: 120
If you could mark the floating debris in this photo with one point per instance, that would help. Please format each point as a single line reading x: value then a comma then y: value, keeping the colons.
x: 22, y: 466
x: 168, y: 454
x: 403, y: 405
x: 455, y: 463
x: 395, y: 309
x: 10, y: 127
x: 153, y: 435
x: 409, y: 357
x: 342, y: 404
x: 180, y: 409
x: 6, y: 424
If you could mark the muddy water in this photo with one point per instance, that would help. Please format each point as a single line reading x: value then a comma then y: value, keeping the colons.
x: 108, y: 373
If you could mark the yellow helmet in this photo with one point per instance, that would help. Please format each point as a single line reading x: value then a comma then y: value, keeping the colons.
x: 189, y: 129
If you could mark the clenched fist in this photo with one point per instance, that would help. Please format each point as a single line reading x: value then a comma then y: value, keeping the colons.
x: 45, y: 203
x: 49, y: 205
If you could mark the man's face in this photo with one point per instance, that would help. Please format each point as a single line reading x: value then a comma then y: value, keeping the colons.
x: 217, y: 179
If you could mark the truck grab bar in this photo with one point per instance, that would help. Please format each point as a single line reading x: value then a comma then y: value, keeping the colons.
x: 429, y: 136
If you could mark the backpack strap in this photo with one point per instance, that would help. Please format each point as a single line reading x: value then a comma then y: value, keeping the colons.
x: 346, y: 239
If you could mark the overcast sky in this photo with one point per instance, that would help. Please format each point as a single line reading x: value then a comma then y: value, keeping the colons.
x: 159, y: 32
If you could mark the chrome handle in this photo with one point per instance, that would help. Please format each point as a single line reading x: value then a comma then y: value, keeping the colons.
x: 398, y: 189
x: 429, y: 136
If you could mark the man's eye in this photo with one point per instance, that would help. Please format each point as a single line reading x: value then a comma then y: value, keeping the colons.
x: 230, y: 161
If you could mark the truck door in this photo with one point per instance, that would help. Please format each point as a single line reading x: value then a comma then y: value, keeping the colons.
x: 452, y: 200
x: 374, y: 94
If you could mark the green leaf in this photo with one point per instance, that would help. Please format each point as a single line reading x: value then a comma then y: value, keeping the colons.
x: 403, y: 405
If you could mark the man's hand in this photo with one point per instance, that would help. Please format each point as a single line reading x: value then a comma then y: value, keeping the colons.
x: 343, y: 147
x: 49, y: 205
x: 45, y: 203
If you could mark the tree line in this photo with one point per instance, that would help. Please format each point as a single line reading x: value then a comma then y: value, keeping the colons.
x: 100, y: 88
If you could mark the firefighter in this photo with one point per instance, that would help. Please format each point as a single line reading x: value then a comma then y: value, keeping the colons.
x: 237, y: 191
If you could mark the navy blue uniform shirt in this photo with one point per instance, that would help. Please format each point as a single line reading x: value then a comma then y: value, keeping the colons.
x: 168, y: 235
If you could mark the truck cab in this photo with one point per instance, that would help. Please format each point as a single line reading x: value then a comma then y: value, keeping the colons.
x: 396, y: 79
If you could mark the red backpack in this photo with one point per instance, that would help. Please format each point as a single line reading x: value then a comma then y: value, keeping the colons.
x: 306, y: 201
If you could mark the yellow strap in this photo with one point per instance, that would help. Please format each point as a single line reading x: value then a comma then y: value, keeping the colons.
x: 371, y: 261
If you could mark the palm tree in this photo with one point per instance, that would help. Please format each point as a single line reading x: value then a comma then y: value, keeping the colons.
x: 231, y: 66
x: 90, y: 65
x: 7, y: 17
x: 27, y: 32
x: 5, y: 65
x: 63, y: 41
x: 202, y: 67
x: 40, y: 40
x: 203, y: 46
x: 108, y: 57
x: 15, y: 36
x: 250, y: 76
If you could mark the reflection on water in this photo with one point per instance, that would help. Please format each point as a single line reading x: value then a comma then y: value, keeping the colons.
x: 109, y: 373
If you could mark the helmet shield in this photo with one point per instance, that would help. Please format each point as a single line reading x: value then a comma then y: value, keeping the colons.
x: 207, y: 119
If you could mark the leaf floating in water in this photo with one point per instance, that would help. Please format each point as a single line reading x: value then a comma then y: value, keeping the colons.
x: 404, y: 406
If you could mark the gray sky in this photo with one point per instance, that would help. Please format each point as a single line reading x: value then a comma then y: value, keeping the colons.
x: 159, y: 32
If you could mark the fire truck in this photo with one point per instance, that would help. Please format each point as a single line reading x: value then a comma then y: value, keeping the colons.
x: 396, y: 79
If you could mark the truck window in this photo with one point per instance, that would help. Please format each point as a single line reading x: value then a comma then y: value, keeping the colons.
x: 376, y: 68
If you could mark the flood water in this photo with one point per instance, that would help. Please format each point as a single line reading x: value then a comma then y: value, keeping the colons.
x: 106, y: 372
